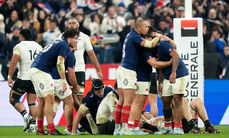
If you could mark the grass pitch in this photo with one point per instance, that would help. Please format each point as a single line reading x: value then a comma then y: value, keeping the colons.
x: 17, y: 132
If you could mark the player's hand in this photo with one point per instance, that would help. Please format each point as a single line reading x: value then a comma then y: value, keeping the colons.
x: 75, y: 89
x: 64, y: 86
x: 172, y: 78
x: 160, y: 88
x: 10, y: 82
x: 100, y: 75
x: 165, y: 38
x: 159, y: 35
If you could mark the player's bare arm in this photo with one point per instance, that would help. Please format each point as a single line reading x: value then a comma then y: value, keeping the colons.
x: 175, y: 63
x: 61, y: 70
x: 81, y: 112
x: 160, y: 80
x: 73, y: 80
x: 159, y: 64
x: 166, y: 38
x: 95, y: 61
x: 12, y: 68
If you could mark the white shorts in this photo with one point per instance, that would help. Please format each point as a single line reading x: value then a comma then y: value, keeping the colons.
x: 176, y: 88
x: 58, y: 85
x: 42, y: 81
x: 143, y: 88
x: 126, y: 79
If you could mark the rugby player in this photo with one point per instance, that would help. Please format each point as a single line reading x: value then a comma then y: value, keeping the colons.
x: 83, y: 44
x: 66, y: 97
x: 24, y: 53
x: 51, y: 56
x: 106, y: 112
x: 126, y: 72
x: 173, y: 79
x: 86, y: 114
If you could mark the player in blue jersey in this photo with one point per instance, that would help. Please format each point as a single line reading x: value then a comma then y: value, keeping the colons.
x: 126, y: 73
x: 86, y: 114
x: 66, y: 97
x: 174, y: 80
x: 51, y: 56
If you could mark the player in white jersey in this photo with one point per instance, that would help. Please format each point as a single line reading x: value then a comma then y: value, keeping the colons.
x: 24, y: 53
x: 83, y: 44
x: 106, y: 112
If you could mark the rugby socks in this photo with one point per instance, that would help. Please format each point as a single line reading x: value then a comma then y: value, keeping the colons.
x: 192, y: 123
x: 168, y: 124
x: 23, y: 113
x: 69, y: 128
x: 130, y: 124
x: 125, y: 116
x: 40, y: 125
x: 136, y: 124
x: 178, y: 125
x: 118, y: 115
x: 207, y: 123
x: 51, y: 127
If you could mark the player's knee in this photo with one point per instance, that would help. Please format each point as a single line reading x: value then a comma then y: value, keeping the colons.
x: 14, y: 98
x: 168, y: 113
x: 14, y: 101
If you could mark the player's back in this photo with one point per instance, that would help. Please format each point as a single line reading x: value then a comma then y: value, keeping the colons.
x: 130, y: 55
x: 28, y: 50
x: 107, y: 106
x: 47, y: 58
x: 163, y: 54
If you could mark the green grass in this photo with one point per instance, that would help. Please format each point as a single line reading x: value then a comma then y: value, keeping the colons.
x: 17, y: 132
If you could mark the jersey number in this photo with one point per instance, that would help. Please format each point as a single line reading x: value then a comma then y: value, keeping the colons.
x: 33, y: 54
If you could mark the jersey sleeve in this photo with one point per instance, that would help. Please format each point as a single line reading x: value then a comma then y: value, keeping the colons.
x: 87, y: 43
x: 137, y: 39
x: 70, y: 60
x: 147, y: 55
x: 166, y: 47
x: 17, y: 50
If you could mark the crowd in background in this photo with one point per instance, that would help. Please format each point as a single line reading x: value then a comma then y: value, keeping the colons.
x: 107, y: 22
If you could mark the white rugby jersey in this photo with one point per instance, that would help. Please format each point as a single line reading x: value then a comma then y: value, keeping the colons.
x: 27, y: 50
x: 83, y: 43
x: 107, y: 106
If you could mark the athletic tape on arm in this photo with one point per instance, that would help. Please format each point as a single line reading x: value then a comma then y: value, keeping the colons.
x: 83, y: 109
x: 60, y: 64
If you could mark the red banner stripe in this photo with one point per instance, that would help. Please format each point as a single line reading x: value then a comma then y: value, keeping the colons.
x: 189, y: 23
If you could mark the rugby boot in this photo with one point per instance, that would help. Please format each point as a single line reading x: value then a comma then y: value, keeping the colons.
x: 178, y: 131
x: 117, y: 132
x: 211, y: 129
x: 164, y: 131
x: 196, y: 130
x: 41, y: 133
x: 55, y: 132
x: 138, y: 132
x: 28, y: 120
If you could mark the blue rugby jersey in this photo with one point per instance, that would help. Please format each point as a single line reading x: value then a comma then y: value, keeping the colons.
x: 47, y: 58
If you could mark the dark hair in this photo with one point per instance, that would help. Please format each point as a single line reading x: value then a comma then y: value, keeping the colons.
x: 70, y: 33
x: 26, y: 33
x: 97, y: 84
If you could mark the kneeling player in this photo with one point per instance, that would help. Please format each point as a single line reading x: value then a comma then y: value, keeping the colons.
x: 86, y: 114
